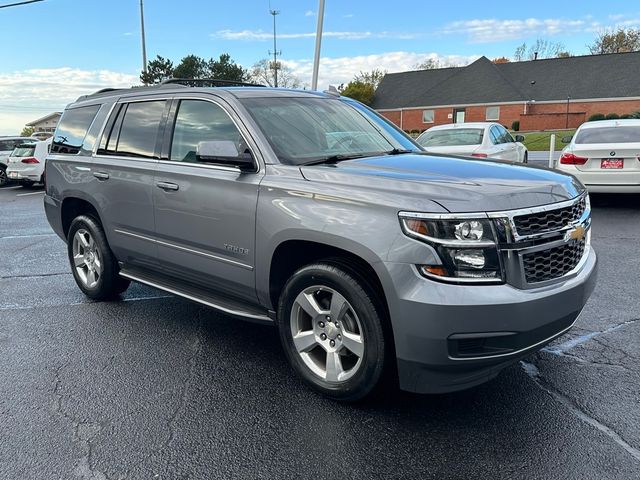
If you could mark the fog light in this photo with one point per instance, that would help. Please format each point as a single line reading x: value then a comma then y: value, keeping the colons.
x: 468, y: 258
x: 471, y: 230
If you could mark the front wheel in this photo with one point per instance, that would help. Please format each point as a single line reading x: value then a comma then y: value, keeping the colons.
x: 3, y: 176
x: 94, y: 267
x: 331, y: 331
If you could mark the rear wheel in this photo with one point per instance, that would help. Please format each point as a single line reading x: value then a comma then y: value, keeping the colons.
x: 525, y: 159
x: 3, y: 176
x: 26, y: 183
x: 94, y: 267
x: 332, y: 332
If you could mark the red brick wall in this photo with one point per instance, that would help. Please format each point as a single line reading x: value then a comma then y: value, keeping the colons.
x: 548, y: 121
x: 412, y: 118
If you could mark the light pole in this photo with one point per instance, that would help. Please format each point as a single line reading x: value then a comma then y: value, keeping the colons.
x: 275, y: 51
x: 316, y: 56
x: 144, y: 47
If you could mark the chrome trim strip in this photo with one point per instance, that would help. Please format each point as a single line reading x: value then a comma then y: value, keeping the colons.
x: 441, y: 216
x: 203, y: 165
x: 185, y: 249
x: 196, y: 299
x: 123, y: 157
x: 531, y: 210
x: 503, y: 355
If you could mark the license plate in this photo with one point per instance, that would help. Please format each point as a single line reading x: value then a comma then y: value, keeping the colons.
x: 13, y: 174
x: 611, y: 163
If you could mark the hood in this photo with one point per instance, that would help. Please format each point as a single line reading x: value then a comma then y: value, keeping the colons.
x: 457, y: 184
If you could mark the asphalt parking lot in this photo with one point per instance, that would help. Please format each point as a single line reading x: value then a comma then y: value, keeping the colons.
x: 153, y: 386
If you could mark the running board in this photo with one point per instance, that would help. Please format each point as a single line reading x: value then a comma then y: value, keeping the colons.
x: 201, y: 296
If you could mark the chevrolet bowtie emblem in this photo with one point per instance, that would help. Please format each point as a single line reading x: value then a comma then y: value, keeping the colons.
x: 577, y: 233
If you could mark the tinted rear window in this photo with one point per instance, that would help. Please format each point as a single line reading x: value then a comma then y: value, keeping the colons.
x: 72, y: 129
x: 24, y: 151
x: 451, y: 138
x: 135, y: 130
x: 609, y: 135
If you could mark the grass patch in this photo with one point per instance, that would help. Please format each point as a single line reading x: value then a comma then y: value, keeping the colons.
x: 539, y: 141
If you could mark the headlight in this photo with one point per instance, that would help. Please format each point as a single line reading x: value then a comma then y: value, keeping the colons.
x: 466, y: 247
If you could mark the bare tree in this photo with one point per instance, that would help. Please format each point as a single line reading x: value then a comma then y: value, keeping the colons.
x: 263, y: 72
x: 618, y: 41
x: 540, y: 49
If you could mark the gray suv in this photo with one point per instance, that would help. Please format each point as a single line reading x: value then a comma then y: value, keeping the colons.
x: 375, y: 260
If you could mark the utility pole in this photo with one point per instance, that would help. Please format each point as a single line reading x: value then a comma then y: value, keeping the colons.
x: 144, y: 47
x: 316, y: 56
x: 275, y: 51
x: 567, y: 116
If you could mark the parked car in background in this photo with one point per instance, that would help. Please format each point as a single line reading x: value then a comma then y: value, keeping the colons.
x: 477, y: 139
x: 7, y: 144
x: 26, y: 162
x: 605, y: 156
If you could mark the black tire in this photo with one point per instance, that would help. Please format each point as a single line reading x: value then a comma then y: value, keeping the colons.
x: 3, y: 176
x: 526, y: 157
x: 361, y: 297
x: 109, y: 284
x: 26, y: 183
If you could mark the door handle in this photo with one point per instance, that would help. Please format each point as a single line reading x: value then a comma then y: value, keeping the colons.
x: 167, y: 186
x: 101, y: 175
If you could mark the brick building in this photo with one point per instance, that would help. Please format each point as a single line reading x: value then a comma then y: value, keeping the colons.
x: 540, y: 94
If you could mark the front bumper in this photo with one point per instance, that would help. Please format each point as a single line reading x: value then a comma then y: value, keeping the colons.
x: 452, y: 337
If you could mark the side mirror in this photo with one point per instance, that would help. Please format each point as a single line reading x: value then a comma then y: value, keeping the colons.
x: 224, y: 152
x: 566, y: 139
x: 519, y: 138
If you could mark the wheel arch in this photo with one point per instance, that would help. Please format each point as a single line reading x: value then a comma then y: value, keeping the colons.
x: 72, y: 207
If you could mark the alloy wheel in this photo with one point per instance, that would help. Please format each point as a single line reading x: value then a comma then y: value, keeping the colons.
x: 87, y: 259
x: 327, y: 333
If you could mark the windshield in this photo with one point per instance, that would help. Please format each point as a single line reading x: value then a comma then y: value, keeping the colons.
x: 451, y: 138
x: 304, y: 130
x: 24, y: 151
x: 609, y: 135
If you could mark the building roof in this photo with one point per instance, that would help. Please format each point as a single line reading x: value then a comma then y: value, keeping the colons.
x: 584, y: 77
x: 44, y: 119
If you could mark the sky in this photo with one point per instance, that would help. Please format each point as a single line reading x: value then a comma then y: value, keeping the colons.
x: 56, y: 50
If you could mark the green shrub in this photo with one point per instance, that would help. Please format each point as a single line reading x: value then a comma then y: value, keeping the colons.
x: 596, y: 116
x: 635, y: 114
x: 612, y: 116
x: 515, y: 125
x: 415, y: 131
x: 626, y: 115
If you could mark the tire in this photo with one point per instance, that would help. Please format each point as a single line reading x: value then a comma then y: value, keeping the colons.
x: 3, y: 176
x: 339, y: 352
x: 94, y: 267
x: 525, y: 159
x: 26, y: 184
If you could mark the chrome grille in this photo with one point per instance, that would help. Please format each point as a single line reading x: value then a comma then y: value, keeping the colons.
x: 552, y: 263
x: 550, y: 220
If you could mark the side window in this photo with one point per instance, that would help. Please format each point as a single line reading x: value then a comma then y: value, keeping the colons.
x: 505, y: 136
x: 135, y: 130
x: 198, y: 121
x: 72, y: 129
x: 495, y: 135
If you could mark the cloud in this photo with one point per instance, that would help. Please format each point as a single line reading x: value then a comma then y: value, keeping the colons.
x: 337, y: 70
x: 493, y: 30
x: 29, y: 94
x: 127, y: 34
x: 261, y: 35
x: 309, y: 13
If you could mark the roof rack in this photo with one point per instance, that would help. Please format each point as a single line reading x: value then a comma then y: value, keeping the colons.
x: 214, y: 82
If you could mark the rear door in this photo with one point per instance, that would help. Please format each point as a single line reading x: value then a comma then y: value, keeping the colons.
x: 123, y: 170
x: 206, y: 213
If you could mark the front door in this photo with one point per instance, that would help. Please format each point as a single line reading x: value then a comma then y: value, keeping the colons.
x: 458, y: 115
x: 205, y: 213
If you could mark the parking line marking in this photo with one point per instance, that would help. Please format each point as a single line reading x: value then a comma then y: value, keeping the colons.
x: 30, y: 193
x: 11, y: 237
x: 564, y: 347
x: 12, y: 188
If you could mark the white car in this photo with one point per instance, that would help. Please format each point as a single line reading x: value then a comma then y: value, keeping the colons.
x: 605, y: 156
x: 474, y: 139
x: 26, y: 162
x: 7, y: 144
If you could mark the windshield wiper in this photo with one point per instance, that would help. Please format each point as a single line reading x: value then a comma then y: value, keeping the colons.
x: 337, y: 158
x: 398, y: 151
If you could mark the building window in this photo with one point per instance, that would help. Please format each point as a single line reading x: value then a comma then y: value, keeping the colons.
x: 427, y: 116
x: 493, y: 113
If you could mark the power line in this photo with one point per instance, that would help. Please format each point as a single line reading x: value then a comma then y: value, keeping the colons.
x: 20, y: 3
